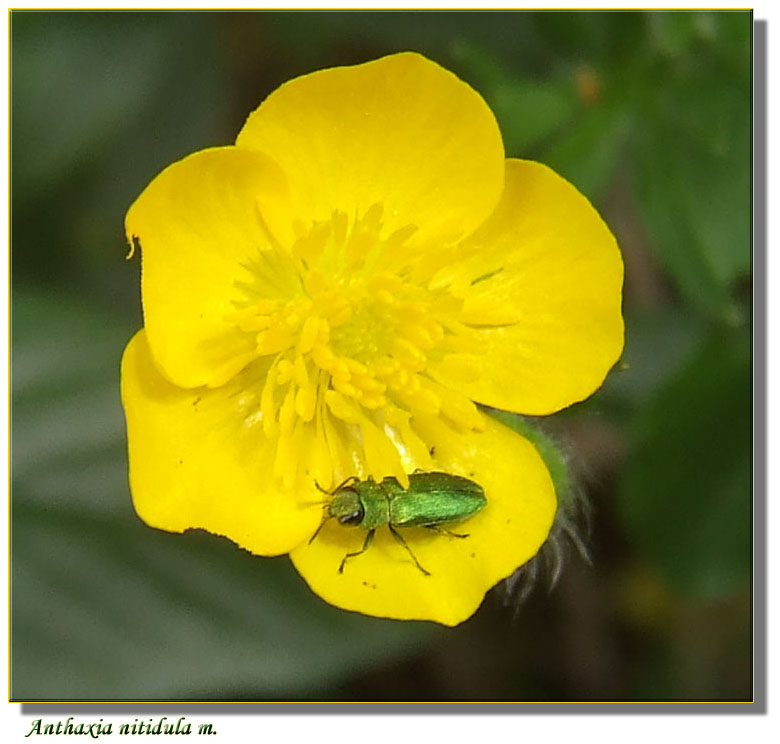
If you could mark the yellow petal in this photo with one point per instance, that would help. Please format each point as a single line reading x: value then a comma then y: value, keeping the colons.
x: 199, y: 459
x: 384, y: 581
x: 199, y: 226
x: 400, y: 132
x: 542, y: 291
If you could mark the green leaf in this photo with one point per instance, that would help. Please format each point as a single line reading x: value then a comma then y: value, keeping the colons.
x: 686, y: 495
x: 610, y: 36
x: 105, y: 608
x: 528, y: 110
x: 101, y: 103
x: 587, y: 153
x: 68, y: 427
x: 75, y: 77
x: 657, y: 345
x: 82, y: 81
x: 693, y: 181
x: 543, y: 117
x: 675, y: 32
x: 723, y: 38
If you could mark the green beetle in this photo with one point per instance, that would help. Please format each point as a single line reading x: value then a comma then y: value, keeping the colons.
x: 432, y: 500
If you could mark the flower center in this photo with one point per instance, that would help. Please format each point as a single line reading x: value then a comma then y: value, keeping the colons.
x: 368, y: 333
x: 356, y: 338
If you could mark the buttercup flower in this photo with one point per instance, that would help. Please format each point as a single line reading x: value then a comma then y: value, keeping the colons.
x: 330, y: 297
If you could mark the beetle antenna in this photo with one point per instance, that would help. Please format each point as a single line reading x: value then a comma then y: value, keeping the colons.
x: 348, y: 479
x: 315, y: 503
x: 317, y: 531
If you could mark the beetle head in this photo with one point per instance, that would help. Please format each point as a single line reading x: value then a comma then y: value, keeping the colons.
x: 347, y: 507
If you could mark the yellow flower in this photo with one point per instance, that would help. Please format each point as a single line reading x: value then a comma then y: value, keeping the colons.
x: 329, y: 297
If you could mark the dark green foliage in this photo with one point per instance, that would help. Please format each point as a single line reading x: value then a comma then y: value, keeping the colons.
x: 686, y: 499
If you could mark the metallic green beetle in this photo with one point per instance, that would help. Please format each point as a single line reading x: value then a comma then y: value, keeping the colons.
x: 432, y: 500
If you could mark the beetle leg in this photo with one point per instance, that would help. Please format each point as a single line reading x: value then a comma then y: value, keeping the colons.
x: 442, y: 531
x: 408, y: 549
x: 369, y: 538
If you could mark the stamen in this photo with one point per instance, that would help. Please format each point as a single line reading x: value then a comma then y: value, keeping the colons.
x: 305, y: 402
x: 299, y: 372
x: 309, y: 333
x: 340, y: 407
x: 406, y: 351
x: 267, y: 406
x: 284, y: 371
x: 287, y: 412
x: 363, y: 349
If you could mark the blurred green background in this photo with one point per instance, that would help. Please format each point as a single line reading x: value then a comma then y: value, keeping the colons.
x: 649, y: 114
